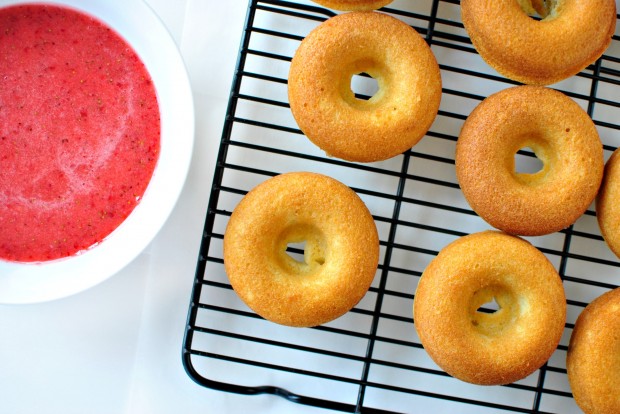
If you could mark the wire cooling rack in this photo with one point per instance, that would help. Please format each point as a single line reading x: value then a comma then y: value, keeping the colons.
x: 371, y: 360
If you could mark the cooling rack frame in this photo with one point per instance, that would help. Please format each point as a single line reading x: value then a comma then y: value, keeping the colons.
x: 602, y: 72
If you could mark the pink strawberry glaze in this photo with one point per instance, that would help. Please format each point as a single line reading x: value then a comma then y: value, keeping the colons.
x: 79, y: 132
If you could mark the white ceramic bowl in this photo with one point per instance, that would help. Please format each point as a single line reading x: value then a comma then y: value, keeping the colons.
x: 143, y: 30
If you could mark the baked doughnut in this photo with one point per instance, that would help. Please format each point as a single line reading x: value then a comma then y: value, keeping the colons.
x: 571, y: 35
x: 490, y: 348
x: 391, y: 121
x: 340, y: 258
x: 353, y: 5
x: 608, y: 204
x: 561, y: 135
x: 593, y: 359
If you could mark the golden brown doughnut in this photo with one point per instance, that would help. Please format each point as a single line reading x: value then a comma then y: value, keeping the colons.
x: 593, y: 359
x: 391, y: 121
x: 490, y: 348
x: 608, y: 204
x: 572, y: 35
x: 562, y: 136
x: 340, y: 258
x: 353, y: 5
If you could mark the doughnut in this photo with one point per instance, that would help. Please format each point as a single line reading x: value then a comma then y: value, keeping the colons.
x: 340, y: 257
x: 353, y: 5
x: 608, y: 204
x: 571, y: 35
x: 593, y: 358
x: 561, y: 135
x: 393, y: 119
x: 489, y: 348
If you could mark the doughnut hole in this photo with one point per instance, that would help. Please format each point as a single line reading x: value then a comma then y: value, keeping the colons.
x: 539, y: 9
x: 351, y: 80
x: 311, y: 239
x: 525, y: 163
x: 537, y: 169
x: 292, y: 249
x: 493, y: 323
x: 364, y: 86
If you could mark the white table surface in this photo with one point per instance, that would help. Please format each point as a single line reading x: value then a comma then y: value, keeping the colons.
x: 116, y: 348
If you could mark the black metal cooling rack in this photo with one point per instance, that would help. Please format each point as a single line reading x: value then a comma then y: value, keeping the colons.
x: 371, y: 360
